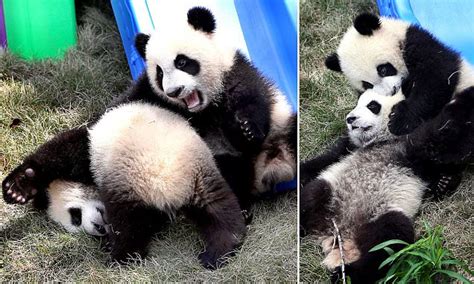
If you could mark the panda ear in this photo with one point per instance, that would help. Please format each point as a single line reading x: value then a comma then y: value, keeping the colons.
x: 366, y: 23
x: 141, y: 41
x: 332, y: 62
x: 201, y: 19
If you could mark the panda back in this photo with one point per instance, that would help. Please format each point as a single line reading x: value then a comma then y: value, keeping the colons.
x: 148, y: 153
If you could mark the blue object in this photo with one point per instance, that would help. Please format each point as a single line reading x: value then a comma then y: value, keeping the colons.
x: 450, y: 21
x: 265, y: 31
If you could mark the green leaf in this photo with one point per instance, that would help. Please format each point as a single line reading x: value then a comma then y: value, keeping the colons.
x: 422, y: 255
x: 389, y: 250
x: 387, y: 243
x: 455, y: 275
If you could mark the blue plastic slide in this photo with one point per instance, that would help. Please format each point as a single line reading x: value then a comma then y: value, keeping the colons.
x: 264, y: 30
x: 450, y: 21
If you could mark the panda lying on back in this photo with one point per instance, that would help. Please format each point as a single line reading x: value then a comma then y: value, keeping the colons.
x: 377, y: 47
x: 373, y: 193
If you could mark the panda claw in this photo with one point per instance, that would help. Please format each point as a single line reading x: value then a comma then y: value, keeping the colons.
x: 13, y: 194
x: 29, y: 172
x: 9, y: 191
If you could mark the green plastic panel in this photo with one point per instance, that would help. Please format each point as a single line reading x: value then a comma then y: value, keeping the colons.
x: 38, y: 29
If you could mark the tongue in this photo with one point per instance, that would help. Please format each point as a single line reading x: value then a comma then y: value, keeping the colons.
x: 192, y: 100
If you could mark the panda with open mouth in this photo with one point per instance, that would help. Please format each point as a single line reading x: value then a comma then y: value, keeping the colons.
x: 373, y: 194
x: 243, y: 117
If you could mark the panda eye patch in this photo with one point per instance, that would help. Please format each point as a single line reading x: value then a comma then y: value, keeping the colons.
x: 186, y: 64
x: 367, y: 85
x: 159, y: 77
x: 374, y: 107
x: 385, y: 70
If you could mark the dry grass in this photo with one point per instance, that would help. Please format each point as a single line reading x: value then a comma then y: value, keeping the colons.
x: 325, y: 99
x: 50, y: 96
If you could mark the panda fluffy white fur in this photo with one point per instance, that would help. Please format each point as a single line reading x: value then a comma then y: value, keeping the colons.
x: 432, y: 74
x: 374, y: 192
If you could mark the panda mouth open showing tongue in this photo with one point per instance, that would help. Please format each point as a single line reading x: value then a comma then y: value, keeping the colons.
x: 192, y: 100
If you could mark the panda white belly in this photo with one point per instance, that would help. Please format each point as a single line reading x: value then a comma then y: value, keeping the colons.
x: 151, y: 151
x: 369, y: 183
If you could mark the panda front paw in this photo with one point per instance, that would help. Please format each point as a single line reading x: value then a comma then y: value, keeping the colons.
x: 250, y: 131
x: 446, y: 185
x: 402, y: 120
x: 211, y: 260
x: 21, y: 185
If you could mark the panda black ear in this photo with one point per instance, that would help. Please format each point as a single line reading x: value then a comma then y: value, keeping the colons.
x: 201, y: 19
x: 332, y: 62
x: 367, y: 23
x: 141, y: 41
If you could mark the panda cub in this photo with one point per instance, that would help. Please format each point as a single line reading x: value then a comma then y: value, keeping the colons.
x: 245, y: 120
x: 432, y: 74
x: 377, y: 47
x: 149, y: 163
x: 373, y: 194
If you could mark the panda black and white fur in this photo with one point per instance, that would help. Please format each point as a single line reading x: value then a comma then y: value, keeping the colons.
x: 373, y: 193
x: 246, y: 121
x: 432, y: 74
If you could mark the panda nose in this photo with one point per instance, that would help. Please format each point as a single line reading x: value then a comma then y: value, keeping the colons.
x: 350, y: 119
x: 173, y: 93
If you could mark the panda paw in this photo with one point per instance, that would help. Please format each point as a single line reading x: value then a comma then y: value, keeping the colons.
x: 211, y: 260
x: 445, y: 185
x: 20, y: 185
x: 250, y: 130
x: 402, y: 120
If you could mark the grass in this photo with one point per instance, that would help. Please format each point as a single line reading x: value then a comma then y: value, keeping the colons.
x: 425, y: 261
x: 49, y: 96
x: 325, y: 99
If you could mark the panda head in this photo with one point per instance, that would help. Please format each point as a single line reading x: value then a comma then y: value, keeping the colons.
x: 88, y: 216
x: 185, y: 62
x: 368, y: 121
x: 370, y: 50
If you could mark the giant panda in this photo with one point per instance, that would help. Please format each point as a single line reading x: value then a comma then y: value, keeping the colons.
x: 246, y: 121
x: 147, y: 164
x: 431, y: 73
x: 373, y: 193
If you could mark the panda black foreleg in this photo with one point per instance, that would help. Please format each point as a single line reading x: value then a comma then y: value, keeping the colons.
x: 448, y: 139
x: 238, y: 172
x: 218, y: 216
x: 132, y: 226
x: 311, y: 168
x: 65, y: 157
x: 315, y: 207
x: 389, y: 226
